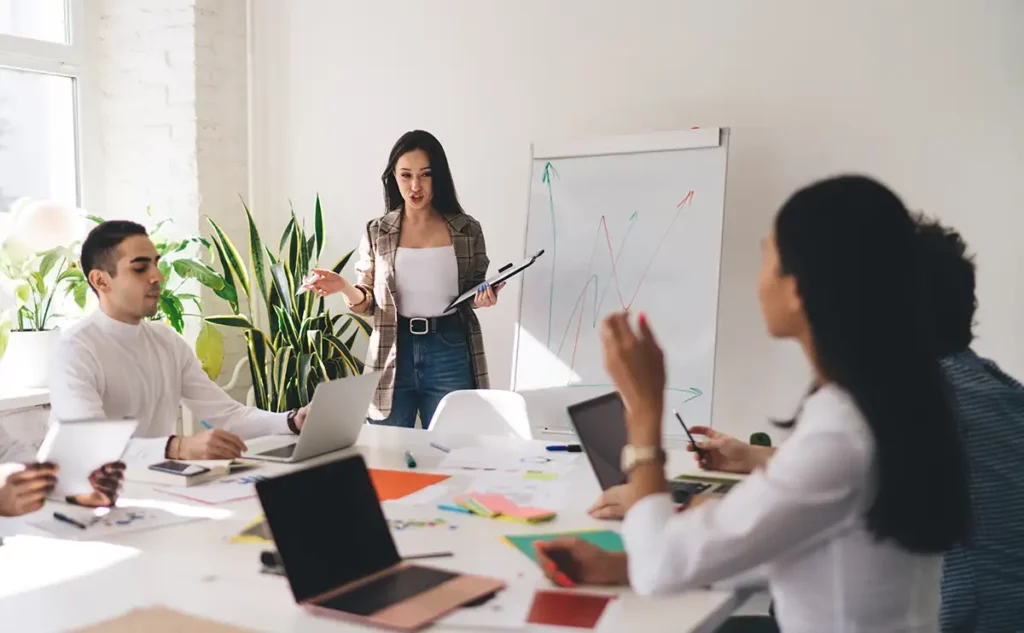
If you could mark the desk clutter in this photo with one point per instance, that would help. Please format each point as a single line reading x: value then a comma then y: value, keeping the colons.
x: 470, y: 485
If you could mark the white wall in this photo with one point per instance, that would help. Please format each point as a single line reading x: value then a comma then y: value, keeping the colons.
x: 926, y: 94
x: 172, y: 130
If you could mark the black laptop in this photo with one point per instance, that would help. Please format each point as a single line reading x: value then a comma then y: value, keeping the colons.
x: 339, y: 557
x: 600, y: 425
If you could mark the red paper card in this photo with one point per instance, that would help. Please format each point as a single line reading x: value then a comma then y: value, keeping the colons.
x: 562, y: 608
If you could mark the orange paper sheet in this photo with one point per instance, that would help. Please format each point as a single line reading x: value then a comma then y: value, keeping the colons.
x: 395, y: 484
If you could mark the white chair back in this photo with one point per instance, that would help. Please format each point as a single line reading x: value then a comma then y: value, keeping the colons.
x: 482, y: 412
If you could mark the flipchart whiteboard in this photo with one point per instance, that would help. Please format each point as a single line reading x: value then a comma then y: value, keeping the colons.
x: 627, y: 222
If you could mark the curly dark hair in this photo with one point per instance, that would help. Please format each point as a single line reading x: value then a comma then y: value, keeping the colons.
x: 948, y: 276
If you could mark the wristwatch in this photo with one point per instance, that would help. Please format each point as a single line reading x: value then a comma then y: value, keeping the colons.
x: 633, y: 456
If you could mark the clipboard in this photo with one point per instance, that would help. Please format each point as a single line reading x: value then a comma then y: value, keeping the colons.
x: 503, y: 274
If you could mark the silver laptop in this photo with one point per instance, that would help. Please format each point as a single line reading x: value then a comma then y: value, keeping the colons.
x: 336, y: 415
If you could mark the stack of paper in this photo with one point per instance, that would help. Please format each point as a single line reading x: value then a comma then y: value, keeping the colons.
x: 495, y: 506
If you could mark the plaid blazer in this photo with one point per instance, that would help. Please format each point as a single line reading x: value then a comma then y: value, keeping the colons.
x: 376, y: 277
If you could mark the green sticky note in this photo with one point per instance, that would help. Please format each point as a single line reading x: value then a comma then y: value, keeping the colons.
x: 605, y: 539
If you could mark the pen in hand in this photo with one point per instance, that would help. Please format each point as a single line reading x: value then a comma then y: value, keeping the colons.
x: 700, y: 452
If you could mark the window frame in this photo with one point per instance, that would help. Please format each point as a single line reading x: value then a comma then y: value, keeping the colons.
x: 64, y: 60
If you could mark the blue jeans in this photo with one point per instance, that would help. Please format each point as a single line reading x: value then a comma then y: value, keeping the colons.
x: 429, y: 367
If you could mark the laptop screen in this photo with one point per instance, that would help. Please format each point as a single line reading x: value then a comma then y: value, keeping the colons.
x: 600, y: 425
x: 328, y: 526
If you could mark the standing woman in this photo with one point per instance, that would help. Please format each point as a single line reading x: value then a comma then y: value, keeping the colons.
x: 850, y: 517
x: 413, y: 261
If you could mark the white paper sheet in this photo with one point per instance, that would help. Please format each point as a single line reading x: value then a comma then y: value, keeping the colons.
x: 219, y: 491
x: 129, y: 516
x: 508, y: 610
x: 495, y: 460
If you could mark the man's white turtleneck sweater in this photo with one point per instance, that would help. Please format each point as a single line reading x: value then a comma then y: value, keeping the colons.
x: 104, y: 368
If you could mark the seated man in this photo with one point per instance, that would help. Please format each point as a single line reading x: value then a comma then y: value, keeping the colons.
x: 116, y: 363
x: 25, y: 486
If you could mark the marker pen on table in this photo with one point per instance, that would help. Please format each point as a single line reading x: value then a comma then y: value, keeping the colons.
x: 410, y: 461
x: 440, y: 447
x: 568, y: 448
x: 66, y: 519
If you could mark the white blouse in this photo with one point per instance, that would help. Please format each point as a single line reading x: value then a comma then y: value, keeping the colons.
x: 427, y: 280
x: 803, y: 520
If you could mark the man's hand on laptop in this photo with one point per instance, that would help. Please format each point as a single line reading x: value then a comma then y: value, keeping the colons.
x: 212, y: 444
x: 300, y: 417
x: 612, y: 503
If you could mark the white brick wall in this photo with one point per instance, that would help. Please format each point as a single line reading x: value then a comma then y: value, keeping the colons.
x: 170, y: 84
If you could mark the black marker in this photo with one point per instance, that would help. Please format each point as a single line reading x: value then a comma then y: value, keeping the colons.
x: 66, y: 519
x: 699, y: 451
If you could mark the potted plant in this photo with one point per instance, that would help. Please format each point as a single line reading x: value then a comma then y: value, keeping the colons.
x: 303, y: 344
x: 40, y: 283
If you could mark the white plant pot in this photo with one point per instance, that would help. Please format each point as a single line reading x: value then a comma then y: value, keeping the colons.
x: 26, y: 363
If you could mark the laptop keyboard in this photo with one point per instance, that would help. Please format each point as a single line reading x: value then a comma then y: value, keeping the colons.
x: 284, y: 451
x: 388, y: 590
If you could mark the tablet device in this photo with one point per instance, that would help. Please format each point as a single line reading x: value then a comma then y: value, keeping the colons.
x: 80, y: 447
x: 506, y: 272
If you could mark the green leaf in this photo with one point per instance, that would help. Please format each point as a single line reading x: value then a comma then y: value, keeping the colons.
x: 284, y: 284
x: 49, y: 260
x: 81, y: 294
x: 234, y: 262
x: 256, y: 253
x: 288, y: 326
x: 284, y: 370
x: 165, y: 269
x: 22, y: 293
x: 95, y: 218
x: 351, y: 340
x: 5, y: 335
x: 229, y: 279
x: 289, y: 231
x: 74, y: 274
x: 257, y: 348
x: 353, y: 363
x: 173, y: 310
x: 230, y: 320
x: 318, y: 227
x: 192, y: 269
x: 363, y: 324
x: 340, y: 265
x: 210, y: 350
x: 305, y: 367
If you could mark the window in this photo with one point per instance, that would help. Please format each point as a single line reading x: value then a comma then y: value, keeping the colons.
x: 40, y: 76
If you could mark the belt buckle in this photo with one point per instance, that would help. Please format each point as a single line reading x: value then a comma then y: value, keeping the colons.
x: 413, y: 322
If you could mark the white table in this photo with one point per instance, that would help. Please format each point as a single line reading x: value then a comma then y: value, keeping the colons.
x: 50, y: 585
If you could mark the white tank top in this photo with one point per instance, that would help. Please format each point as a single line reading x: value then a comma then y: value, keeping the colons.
x: 427, y: 280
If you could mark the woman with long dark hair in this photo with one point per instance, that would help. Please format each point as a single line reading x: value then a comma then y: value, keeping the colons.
x: 413, y: 261
x: 850, y: 516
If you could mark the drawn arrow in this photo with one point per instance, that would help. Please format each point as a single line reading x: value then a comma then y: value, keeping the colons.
x: 546, y: 180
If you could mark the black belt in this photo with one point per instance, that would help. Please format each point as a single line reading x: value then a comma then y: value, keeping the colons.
x: 429, y: 325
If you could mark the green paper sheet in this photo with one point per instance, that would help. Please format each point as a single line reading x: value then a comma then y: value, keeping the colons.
x: 605, y: 539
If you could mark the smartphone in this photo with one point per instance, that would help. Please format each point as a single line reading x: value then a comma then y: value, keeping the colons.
x: 179, y: 468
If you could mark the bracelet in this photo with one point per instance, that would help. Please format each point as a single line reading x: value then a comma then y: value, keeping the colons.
x: 167, y: 447
x: 291, y: 421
